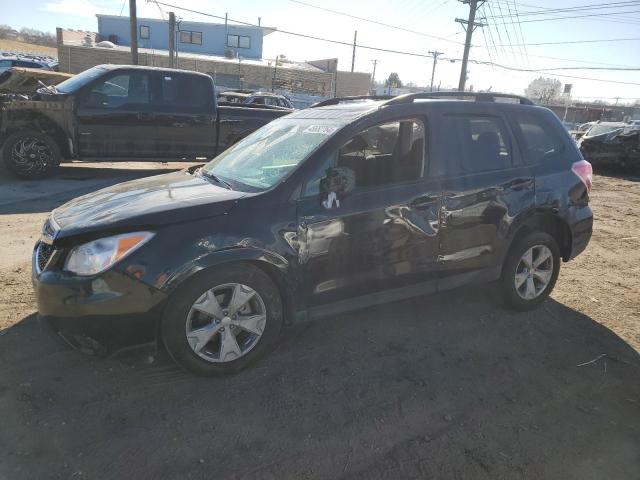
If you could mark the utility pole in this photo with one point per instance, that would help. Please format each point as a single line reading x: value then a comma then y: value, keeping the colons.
x: 133, y: 30
x: 172, y: 40
x: 469, y: 26
x: 435, y: 55
x: 353, y: 56
x: 373, y: 76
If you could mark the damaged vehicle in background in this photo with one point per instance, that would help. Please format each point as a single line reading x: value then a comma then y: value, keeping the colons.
x: 120, y: 112
x: 613, y: 146
x: 248, y: 97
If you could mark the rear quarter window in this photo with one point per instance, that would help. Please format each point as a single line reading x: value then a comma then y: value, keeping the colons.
x: 185, y: 93
x: 540, y: 138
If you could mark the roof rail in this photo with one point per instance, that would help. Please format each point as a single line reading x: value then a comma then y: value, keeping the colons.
x: 478, y: 96
x: 338, y: 100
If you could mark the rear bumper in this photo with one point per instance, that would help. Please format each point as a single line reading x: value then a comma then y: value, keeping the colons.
x: 581, y: 224
x: 98, y: 315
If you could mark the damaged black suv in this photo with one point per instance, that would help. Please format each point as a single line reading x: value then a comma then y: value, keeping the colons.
x: 350, y: 203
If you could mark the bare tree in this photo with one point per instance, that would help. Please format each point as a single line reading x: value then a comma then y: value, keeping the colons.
x: 543, y: 90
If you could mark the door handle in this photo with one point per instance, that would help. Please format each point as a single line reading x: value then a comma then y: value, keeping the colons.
x: 179, y: 124
x: 519, y: 183
x: 424, y: 201
x: 444, y: 215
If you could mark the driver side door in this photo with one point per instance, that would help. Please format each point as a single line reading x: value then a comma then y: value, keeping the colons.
x: 383, y: 235
x: 114, y: 118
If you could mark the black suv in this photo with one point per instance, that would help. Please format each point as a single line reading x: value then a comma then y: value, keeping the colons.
x: 328, y: 209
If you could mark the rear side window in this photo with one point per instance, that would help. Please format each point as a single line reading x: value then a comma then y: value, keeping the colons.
x: 540, y: 139
x: 473, y: 144
x: 185, y: 93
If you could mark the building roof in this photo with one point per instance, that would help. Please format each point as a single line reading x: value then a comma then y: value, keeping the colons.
x: 265, y: 30
x: 201, y: 56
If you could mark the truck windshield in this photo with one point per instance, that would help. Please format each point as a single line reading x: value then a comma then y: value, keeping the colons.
x: 267, y: 155
x: 80, y: 80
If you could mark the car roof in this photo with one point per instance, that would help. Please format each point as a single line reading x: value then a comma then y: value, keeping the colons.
x: 345, y: 111
x: 23, y: 59
x: 360, y: 108
x: 109, y: 66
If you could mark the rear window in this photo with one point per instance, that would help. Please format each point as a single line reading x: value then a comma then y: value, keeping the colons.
x: 185, y: 93
x: 541, y: 140
x: 473, y: 144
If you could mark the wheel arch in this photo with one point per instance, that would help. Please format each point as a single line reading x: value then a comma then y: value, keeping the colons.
x: 273, y: 265
x: 543, y: 221
x: 42, y: 124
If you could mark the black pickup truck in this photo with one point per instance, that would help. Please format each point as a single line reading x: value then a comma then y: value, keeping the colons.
x: 121, y: 112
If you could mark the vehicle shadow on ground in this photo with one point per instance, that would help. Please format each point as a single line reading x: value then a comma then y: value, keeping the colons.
x: 447, y: 386
x: 71, y: 180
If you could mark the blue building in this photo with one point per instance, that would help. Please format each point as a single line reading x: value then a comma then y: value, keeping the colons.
x: 193, y: 37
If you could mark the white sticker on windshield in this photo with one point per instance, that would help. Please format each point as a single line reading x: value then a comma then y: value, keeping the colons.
x: 321, y: 129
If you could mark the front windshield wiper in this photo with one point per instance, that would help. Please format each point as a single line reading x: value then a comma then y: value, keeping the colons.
x: 214, y: 177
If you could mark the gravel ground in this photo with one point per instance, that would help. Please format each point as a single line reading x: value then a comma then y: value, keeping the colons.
x: 448, y: 386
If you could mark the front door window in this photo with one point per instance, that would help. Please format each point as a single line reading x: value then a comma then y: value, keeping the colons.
x: 123, y: 91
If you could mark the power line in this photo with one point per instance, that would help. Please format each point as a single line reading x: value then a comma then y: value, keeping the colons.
x: 504, y: 26
x: 376, y: 22
x: 575, y: 60
x: 413, y: 54
x: 613, y: 18
x: 531, y: 70
x: 569, y: 42
x: 599, y: 6
x: 515, y: 30
x: 573, y: 17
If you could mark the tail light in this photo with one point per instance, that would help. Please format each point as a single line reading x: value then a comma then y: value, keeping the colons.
x: 584, y: 171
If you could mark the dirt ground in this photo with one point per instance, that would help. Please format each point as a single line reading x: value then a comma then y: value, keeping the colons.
x: 23, y: 47
x: 448, y: 386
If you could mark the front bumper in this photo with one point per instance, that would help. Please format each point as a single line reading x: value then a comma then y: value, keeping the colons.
x: 99, y: 314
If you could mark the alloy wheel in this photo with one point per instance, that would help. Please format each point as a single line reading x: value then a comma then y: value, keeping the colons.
x: 31, y: 154
x: 226, y: 322
x: 534, y: 272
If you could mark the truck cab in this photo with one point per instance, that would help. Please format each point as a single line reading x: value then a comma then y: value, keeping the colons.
x: 120, y: 112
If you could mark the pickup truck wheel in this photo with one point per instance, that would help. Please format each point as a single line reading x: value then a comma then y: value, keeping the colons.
x: 222, y: 320
x: 530, y: 271
x: 31, y: 155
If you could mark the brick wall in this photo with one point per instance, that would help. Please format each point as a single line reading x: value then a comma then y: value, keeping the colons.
x: 353, y: 83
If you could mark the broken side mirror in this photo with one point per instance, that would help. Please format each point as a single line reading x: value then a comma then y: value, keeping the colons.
x: 339, y: 182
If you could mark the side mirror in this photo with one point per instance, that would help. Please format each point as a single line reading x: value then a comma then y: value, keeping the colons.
x: 339, y: 182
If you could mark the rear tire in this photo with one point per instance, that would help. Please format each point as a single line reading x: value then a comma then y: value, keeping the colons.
x: 31, y: 155
x: 202, y: 319
x: 530, y: 271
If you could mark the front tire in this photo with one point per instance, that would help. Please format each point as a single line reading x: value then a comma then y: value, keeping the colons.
x: 530, y: 271
x: 31, y: 155
x: 223, y: 320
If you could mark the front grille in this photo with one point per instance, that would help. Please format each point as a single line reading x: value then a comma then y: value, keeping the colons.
x: 43, y: 255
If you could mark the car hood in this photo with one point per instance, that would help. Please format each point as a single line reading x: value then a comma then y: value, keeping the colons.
x: 148, y: 202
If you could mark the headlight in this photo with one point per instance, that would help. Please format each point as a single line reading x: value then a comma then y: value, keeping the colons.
x: 96, y: 256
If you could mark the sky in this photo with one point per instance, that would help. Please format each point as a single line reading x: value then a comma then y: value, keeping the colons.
x: 433, y: 28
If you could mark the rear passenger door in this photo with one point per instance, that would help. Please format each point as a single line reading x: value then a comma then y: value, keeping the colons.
x: 485, y: 187
x: 184, y: 114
